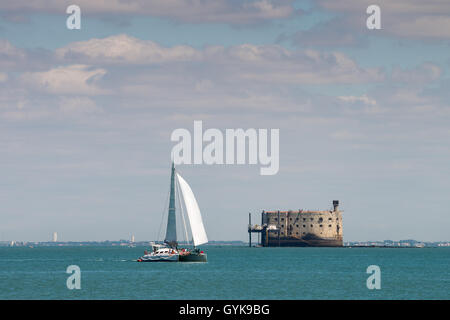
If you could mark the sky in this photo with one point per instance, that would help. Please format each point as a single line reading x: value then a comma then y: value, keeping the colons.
x: 86, y: 115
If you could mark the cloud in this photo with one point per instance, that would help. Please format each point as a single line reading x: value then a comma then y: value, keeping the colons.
x: 404, y: 18
x: 409, y: 19
x: 364, y: 99
x: 409, y: 97
x: 133, y: 74
x: 73, y: 79
x: 18, y: 59
x: 426, y: 27
x: 192, y: 11
x: 361, y: 105
x: 124, y: 49
x: 245, y: 62
x: 10, y: 55
x: 144, y: 76
x: 254, y: 78
x: 439, y: 7
x: 424, y: 73
x: 313, y: 67
x: 8, y: 50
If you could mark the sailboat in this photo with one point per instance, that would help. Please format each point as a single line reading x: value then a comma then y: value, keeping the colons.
x: 170, y: 250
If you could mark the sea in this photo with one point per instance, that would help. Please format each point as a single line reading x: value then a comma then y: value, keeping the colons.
x: 232, y: 272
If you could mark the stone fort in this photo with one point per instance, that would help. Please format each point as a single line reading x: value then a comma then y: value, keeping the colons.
x: 300, y: 228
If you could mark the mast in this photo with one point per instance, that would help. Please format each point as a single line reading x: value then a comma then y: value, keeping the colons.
x: 171, y: 231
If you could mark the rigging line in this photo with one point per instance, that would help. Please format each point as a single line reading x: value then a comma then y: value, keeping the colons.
x: 181, y: 209
x: 163, y: 214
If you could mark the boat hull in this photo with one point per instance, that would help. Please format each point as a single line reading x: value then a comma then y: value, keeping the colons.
x: 193, y: 257
x: 151, y: 258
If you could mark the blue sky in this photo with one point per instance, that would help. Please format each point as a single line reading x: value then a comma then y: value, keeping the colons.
x: 86, y: 115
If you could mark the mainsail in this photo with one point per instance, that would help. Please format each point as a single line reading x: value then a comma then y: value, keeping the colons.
x: 193, y: 213
x: 171, y: 231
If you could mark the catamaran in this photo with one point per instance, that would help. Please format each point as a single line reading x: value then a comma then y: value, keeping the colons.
x: 170, y: 251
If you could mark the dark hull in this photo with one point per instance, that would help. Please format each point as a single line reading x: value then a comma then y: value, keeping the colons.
x: 295, y: 242
x: 193, y: 258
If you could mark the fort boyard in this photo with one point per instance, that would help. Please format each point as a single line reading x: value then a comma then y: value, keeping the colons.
x: 300, y: 228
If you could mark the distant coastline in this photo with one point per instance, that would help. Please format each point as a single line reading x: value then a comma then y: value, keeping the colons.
x: 105, y: 243
x: 127, y: 243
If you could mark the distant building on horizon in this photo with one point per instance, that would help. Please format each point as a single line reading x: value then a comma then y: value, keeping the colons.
x: 132, y: 238
x: 55, y: 236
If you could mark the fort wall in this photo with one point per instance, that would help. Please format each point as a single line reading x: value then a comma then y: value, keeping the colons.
x: 302, y: 228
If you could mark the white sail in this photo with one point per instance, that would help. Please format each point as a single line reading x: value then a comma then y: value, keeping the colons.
x: 193, y: 212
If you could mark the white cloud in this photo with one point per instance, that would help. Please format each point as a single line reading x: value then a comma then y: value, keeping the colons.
x: 125, y: 49
x: 250, y: 77
x: 73, y: 79
x: 245, y: 62
x: 364, y: 99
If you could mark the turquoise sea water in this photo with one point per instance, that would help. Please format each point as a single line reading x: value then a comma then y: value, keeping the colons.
x: 231, y: 273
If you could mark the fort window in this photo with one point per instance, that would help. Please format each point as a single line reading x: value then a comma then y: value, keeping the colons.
x: 312, y: 219
x: 321, y: 226
x: 275, y: 219
x: 304, y: 226
x: 297, y: 226
x: 329, y: 225
x: 311, y: 226
x: 329, y: 219
x: 320, y: 220
x: 282, y: 219
x: 304, y: 219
